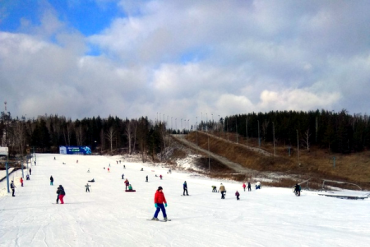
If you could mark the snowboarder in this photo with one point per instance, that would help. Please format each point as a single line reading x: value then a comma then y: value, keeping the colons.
x: 21, y: 180
x: 258, y: 185
x: 12, y: 186
x: 249, y: 186
x: 214, y: 188
x: 237, y: 195
x: 160, y: 176
x: 159, y: 200
x: 51, y: 180
x: 244, y: 186
x: 61, y: 193
x: 185, y: 186
x: 87, y: 187
x: 297, y: 190
x: 146, y: 178
x: 222, y: 190
x: 30, y: 171
x: 127, y: 183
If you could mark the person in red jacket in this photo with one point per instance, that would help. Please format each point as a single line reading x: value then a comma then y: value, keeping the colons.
x: 244, y: 186
x: 160, y: 203
x: 21, y: 180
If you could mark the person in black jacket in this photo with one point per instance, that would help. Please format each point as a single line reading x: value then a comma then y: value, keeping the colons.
x: 12, y: 186
x: 61, y: 193
x: 51, y: 180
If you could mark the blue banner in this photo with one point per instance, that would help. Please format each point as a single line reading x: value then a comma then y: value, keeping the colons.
x: 74, y: 150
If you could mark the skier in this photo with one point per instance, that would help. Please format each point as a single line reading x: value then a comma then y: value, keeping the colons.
x: 244, y: 186
x: 249, y: 186
x: 12, y: 186
x: 120, y: 161
x: 87, y: 187
x: 258, y: 185
x: 185, y: 186
x: 30, y: 171
x: 159, y: 200
x: 51, y: 180
x: 54, y: 158
x: 214, y: 188
x: 124, y: 167
x: 88, y: 170
x: 237, y: 195
x: 21, y: 180
x: 160, y: 176
x: 127, y: 183
x: 61, y: 193
x: 27, y: 177
x: 123, y: 176
x: 297, y: 190
x: 146, y: 178
x: 222, y: 190
x: 108, y: 169
x: 58, y: 191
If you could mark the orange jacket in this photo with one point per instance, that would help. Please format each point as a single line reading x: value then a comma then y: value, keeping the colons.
x: 159, y: 197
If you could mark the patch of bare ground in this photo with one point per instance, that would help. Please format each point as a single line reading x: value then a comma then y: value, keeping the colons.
x: 315, y: 164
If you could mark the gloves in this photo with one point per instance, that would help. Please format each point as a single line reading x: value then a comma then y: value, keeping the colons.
x: 155, y: 205
x: 165, y: 204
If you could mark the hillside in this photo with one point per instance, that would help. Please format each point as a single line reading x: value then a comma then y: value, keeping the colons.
x: 316, y: 164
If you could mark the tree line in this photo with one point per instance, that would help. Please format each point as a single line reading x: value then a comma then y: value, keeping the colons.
x: 339, y: 132
x: 113, y: 134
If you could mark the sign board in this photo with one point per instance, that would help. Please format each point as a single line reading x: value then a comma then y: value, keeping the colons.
x: 4, y: 151
x: 74, y: 150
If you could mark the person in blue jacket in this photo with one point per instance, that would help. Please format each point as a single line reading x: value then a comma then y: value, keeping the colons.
x: 185, y: 187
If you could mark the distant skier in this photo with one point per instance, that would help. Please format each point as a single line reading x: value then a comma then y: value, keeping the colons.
x: 297, y: 190
x: 108, y: 169
x: 77, y: 161
x: 88, y: 171
x: 87, y: 187
x: 249, y: 186
x: 120, y: 161
x: 109, y: 165
x: 61, y: 193
x: 159, y: 200
x: 12, y: 186
x: 146, y: 178
x: 54, y: 158
x: 237, y: 195
x: 51, y: 180
x: 142, y: 169
x: 124, y: 167
x: 27, y: 177
x: 123, y: 176
x: 117, y: 162
x: 214, y: 188
x: 244, y: 186
x: 222, y: 190
x: 160, y: 176
x: 21, y: 180
x: 30, y: 171
x: 185, y: 187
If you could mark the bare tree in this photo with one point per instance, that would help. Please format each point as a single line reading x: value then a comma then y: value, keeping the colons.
x: 110, y: 137
x: 79, y: 135
x: 67, y: 132
x: 306, y: 139
x: 128, y: 132
x: 265, y: 125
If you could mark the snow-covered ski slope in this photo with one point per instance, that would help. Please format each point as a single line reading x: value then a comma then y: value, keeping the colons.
x: 107, y: 216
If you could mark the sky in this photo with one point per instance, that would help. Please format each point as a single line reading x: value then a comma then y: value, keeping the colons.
x: 183, y: 59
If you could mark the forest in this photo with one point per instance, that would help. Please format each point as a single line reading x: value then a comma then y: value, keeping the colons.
x: 339, y: 132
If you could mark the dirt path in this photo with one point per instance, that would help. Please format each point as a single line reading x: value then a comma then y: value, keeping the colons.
x: 236, y: 167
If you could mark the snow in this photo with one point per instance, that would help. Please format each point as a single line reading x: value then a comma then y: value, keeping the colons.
x: 110, y: 217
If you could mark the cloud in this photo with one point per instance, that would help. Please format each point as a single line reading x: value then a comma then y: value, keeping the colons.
x: 187, y: 58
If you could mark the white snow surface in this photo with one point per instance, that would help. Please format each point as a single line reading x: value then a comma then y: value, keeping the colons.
x: 109, y: 216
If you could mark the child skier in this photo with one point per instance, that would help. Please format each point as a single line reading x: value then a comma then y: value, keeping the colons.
x: 159, y: 200
x: 244, y: 186
x: 237, y: 195
x: 87, y: 187
x: 61, y: 193
x: 21, y: 180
